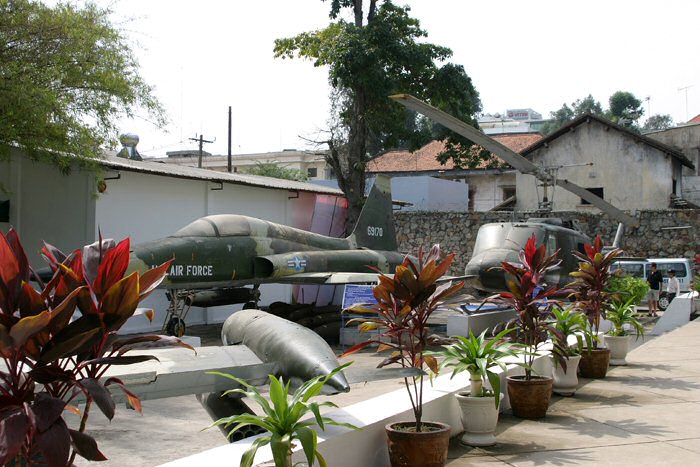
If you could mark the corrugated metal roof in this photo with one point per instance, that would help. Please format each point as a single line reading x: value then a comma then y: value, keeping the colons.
x: 193, y: 173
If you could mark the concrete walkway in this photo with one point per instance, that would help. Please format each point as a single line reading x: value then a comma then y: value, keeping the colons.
x: 646, y: 413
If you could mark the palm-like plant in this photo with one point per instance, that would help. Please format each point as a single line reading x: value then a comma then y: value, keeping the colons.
x: 532, y: 300
x: 404, y: 304
x: 622, y: 313
x: 283, y: 418
x: 569, y: 322
x: 591, y: 282
x: 478, y: 356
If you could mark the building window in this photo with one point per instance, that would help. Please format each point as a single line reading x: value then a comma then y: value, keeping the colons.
x: 472, y: 194
x: 508, y: 192
x: 312, y: 172
x: 596, y: 191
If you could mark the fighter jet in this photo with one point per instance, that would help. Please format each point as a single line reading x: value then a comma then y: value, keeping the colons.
x: 215, y: 257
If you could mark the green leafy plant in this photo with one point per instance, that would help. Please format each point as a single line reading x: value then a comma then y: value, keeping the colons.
x: 478, y: 355
x: 621, y: 314
x: 569, y: 322
x: 591, y: 281
x: 405, y: 302
x: 51, y: 361
x: 624, y: 286
x: 283, y: 418
x: 533, y: 301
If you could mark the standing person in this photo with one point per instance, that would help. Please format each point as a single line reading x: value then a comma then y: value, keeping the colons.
x: 674, y: 287
x: 655, y: 280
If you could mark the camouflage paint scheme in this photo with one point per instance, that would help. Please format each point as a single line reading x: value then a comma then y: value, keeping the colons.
x: 230, y: 250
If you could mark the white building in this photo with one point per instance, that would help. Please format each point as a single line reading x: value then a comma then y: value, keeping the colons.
x: 144, y: 201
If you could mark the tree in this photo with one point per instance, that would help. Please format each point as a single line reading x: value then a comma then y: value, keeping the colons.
x: 625, y: 109
x: 566, y: 114
x: 658, y: 122
x: 587, y: 105
x: 375, y: 55
x: 66, y: 74
x: 271, y: 169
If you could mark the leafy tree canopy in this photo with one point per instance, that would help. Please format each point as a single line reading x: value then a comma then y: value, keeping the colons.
x: 378, y: 53
x: 271, y: 169
x: 66, y: 74
x: 658, y: 122
x: 625, y: 110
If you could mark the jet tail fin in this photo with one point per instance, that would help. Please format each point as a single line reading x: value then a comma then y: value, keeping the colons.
x: 375, y: 226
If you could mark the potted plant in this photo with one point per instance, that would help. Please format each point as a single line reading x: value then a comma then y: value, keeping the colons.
x: 405, y: 302
x: 50, y: 360
x: 622, y: 315
x: 478, y: 356
x: 568, y: 322
x: 591, y: 297
x: 533, y: 302
x: 285, y: 420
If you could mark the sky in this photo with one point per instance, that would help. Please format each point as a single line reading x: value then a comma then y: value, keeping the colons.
x: 202, y: 57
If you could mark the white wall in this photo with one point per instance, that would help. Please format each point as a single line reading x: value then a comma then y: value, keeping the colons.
x: 634, y: 175
x: 488, y: 189
x: 146, y: 207
x: 48, y: 206
x: 430, y: 194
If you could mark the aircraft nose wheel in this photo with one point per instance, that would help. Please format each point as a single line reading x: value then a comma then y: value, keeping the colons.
x: 176, y: 327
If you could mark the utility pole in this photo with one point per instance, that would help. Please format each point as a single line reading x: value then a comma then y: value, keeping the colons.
x: 229, y: 139
x: 685, y: 88
x: 201, y: 142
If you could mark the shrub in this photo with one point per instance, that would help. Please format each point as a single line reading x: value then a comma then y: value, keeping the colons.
x: 51, y: 361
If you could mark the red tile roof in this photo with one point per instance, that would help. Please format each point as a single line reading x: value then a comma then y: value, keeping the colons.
x: 424, y: 159
x: 695, y: 119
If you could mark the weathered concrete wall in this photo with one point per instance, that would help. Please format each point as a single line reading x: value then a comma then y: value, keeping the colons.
x: 456, y: 232
x: 633, y: 175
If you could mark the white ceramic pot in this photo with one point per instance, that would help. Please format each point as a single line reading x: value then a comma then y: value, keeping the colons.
x: 619, y: 346
x: 479, y: 419
x: 565, y: 382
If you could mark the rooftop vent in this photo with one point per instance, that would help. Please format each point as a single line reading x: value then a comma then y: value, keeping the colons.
x: 128, y: 150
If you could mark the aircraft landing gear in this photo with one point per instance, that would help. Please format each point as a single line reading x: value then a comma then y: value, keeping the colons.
x: 174, y: 323
x: 175, y: 327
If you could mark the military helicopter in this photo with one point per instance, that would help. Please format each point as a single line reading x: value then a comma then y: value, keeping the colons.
x: 216, y: 257
x: 503, y: 241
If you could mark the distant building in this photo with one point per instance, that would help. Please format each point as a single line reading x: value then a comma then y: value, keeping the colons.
x: 488, y: 188
x: 311, y: 163
x: 685, y: 138
x: 513, y: 121
x: 628, y: 170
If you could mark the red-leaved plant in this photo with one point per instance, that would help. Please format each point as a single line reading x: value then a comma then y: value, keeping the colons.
x: 590, y: 283
x: 533, y: 301
x: 52, y: 361
x: 404, y: 304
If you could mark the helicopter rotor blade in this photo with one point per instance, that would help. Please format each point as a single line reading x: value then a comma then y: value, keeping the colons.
x: 516, y: 161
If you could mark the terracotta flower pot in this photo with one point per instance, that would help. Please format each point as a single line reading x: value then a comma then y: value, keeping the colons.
x: 566, y: 382
x: 479, y: 419
x: 594, y: 364
x: 619, y: 346
x: 529, y: 398
x: 408, y: 448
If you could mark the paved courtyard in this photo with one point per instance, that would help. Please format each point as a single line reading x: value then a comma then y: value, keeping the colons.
x: 642, y: 414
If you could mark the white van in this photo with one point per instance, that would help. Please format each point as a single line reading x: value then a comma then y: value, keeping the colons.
x: 641, y: 267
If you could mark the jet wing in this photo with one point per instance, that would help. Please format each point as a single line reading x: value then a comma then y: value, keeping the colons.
x: 329, y: 278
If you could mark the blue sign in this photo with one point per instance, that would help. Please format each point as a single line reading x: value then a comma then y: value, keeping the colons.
x: 358, y: 294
